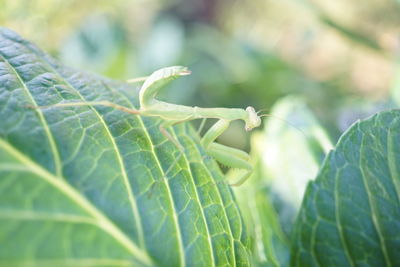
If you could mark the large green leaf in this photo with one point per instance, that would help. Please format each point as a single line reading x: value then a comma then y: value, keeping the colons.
x: 95, y: 186
x: 350, y: 215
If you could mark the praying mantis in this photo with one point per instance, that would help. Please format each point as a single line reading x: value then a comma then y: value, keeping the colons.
x: 173, y: 114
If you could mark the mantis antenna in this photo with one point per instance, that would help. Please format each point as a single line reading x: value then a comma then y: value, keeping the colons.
x: 173, y: 114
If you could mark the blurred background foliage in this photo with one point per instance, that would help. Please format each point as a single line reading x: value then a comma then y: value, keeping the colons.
x: 324, y: 64
x: 339, y: 55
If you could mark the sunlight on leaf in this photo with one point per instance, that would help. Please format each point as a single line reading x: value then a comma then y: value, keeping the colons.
x: 96, y: 186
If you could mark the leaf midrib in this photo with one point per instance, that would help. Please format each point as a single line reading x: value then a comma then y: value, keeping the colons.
x: 45, y: 216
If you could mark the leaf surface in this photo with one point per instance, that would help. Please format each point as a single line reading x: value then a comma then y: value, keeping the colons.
x: 350, y: 215
x: 89, y: 186
x: 290, y: 131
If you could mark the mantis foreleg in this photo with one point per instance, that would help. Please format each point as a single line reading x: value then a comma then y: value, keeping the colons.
x: 232, y: 157
x: 214, y: 132
x: 228, y: 156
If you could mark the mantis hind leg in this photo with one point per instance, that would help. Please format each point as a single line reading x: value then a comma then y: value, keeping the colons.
x: 234, y: 158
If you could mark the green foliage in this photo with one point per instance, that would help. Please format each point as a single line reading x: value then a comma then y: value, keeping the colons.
x: 271, y: 246
x: 350, y: 215
x: 283, y: 142
x: 95, y: 186
x: 272, y: 196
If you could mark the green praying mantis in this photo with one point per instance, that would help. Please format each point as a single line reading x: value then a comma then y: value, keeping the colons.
x: 173, y: 114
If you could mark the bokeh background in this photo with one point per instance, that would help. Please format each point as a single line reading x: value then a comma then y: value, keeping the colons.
x: 340, y: 56
x: 317, y: 65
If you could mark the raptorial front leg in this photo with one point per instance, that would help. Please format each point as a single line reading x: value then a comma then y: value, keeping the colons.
x: 228, y: 156
x: 233, y: 158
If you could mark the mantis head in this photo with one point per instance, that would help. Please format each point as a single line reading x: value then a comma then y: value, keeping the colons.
x: 253, y: 120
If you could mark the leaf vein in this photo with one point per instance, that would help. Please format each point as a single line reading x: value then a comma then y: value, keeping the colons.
x: 29, y: 215
x: 65, y: 188
x: 338, y: 221
x: 123, y: 171
x: 50, y: 137
x: 393, y: 169
x: 220, y: 198
x: 199, y: 203
x: 371, y: 203
x: 170, y: 195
